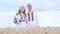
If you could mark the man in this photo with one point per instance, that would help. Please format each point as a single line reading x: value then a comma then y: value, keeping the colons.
x: 32, y: 18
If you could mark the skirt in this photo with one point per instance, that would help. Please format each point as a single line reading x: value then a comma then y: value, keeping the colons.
x: 21, y: 25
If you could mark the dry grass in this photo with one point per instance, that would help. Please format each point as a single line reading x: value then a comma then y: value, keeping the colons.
x: 34, y: 30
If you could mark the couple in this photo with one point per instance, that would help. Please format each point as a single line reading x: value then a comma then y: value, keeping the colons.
x: 23, y: 19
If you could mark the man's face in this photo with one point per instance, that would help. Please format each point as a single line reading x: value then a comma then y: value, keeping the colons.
x: 29, y: 7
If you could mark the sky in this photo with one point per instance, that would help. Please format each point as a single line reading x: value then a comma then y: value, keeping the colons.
x: 48, y: 11
x: 38, y: 5
x: 45, y: 19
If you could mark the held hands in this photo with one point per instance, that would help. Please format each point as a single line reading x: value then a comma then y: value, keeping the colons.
x: 23, y: 20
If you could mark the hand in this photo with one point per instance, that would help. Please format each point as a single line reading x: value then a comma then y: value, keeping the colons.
x: 22, y: 20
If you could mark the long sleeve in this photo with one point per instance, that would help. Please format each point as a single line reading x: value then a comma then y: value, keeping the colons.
x: 16, y: 19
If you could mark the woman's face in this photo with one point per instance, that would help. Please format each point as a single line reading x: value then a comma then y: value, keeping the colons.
x: 22, y: 9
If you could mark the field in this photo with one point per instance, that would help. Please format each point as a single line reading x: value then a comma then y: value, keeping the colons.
x: 34, y: 30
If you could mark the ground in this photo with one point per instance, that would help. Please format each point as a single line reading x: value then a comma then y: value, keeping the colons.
x: 34, y: 30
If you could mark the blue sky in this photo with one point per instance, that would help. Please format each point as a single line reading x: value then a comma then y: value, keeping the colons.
x: 47, y: 18
x: 13, y: 5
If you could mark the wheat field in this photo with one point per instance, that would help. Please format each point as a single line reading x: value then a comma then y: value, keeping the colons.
x: 34, y: 30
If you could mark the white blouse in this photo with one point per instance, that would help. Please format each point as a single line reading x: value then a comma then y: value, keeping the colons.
x: 20, y: 24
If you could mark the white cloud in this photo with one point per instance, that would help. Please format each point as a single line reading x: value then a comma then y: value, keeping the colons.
x: 37, y: 4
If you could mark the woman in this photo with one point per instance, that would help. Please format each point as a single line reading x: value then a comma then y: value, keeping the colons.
x: 20, y: 18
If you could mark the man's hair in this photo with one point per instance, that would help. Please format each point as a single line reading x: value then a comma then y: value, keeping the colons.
x: 29, y: 4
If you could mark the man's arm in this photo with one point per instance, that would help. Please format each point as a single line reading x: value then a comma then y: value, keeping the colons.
x: 36, y: 19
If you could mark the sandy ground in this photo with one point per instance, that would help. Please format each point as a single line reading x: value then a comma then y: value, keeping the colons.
x: 34, y: 30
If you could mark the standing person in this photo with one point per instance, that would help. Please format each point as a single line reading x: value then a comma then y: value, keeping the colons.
x: 20, y: 18
x: 32, y: 21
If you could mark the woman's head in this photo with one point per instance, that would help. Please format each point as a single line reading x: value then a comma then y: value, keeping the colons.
x: 22, y: 10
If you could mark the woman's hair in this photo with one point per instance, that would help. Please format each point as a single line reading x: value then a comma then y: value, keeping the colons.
x: 19, y: 11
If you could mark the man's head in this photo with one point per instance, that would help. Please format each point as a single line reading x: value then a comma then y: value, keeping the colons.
x: 29, y: 6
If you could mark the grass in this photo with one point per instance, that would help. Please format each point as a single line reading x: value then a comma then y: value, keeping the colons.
x: 34, y: 30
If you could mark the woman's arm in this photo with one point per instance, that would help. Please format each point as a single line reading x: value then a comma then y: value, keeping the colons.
x: 16, y: 19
